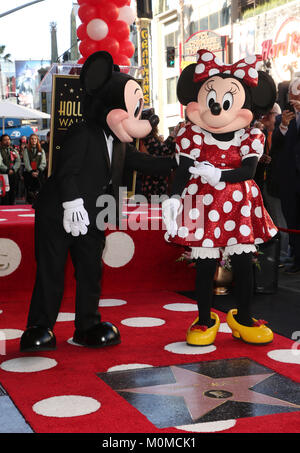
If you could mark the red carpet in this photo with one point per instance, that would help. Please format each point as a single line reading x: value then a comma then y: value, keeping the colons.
x: 81, y: 390
x: 133, y: 259
x: 72, y: 369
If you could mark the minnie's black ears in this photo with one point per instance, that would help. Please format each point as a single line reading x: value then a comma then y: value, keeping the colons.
x: 96, y: 71
x: 187, y: 89
x: 264, y: 94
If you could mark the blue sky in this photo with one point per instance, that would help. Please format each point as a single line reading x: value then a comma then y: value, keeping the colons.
x: 26, y: 33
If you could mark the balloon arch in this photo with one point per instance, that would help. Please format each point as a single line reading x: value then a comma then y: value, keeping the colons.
x: 105, y: 26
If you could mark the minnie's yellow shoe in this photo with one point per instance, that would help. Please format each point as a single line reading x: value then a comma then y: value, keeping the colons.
x: 259, y: 333
x: 203, y: 335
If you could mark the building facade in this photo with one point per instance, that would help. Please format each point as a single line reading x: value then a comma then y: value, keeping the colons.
x: 232, y: 29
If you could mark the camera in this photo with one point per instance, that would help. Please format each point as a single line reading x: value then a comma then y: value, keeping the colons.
x: 289, y: 107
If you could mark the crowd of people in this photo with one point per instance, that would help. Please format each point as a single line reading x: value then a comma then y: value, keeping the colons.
x: 26, y: 166
x: 277, y: 174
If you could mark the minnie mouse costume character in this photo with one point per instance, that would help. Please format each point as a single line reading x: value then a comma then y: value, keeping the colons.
x: 92, y: 162
x: 223, y: 207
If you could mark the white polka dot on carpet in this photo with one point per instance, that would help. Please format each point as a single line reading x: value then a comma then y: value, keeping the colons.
x: 285, y: 355
x: 143, y: 322
x: 111, y: 302
x: 119, y: 249
x: 14, y: 210
x: 65, y: 317
x: 128, y: 366
x: 224, y: 327
x: 66, y: 406
x: 208, y: 427
x: 181, y: 307
x: 28, y: 364
x: 11, y: 334
x: 181, y: 347
x: 70, y: 341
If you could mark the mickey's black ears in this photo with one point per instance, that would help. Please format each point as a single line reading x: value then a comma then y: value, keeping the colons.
x: 96, y: 71
x: 264, y: 94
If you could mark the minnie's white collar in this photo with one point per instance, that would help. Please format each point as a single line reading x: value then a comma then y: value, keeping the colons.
x: 210, y: 140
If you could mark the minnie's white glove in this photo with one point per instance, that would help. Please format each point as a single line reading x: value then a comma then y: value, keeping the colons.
x: 208, y: 171
x: 76, y: 218
x: 170, y: 209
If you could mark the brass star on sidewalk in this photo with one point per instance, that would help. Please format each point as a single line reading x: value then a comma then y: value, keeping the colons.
x: 202, y: 393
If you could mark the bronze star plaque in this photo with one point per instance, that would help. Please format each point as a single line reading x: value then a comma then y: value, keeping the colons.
x: 205, y: 391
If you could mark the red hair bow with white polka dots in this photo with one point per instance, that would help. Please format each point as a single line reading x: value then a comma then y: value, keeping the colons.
x: 208, y: 65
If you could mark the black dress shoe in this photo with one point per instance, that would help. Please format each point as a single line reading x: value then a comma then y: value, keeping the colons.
x: 103, y: 334
x: 37, y: 338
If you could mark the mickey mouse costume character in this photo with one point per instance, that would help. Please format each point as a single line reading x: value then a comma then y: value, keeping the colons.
x: 223, y: 207
x: 92, y: 161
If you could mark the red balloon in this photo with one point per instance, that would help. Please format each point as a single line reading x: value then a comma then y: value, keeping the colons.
x: 109, y: 44
x: 89, y: 2
x: 88, y: 46
x: 81, y: 32
x: 127, y: 48
x: 120, y: 3
x: 119, y: 30
x: 87, y: 12
x: 81, y: 60
x: 122, y: 60
x: 107, y: 11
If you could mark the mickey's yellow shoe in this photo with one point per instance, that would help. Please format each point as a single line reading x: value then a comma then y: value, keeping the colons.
x: 203, y: 335
x: 259, y: 333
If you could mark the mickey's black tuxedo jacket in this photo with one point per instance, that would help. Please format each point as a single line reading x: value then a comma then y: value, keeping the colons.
x: 83, y: 170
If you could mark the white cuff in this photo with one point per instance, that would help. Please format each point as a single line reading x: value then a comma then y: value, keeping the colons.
x: 73, y: 204
x: 171, y: 202
x: 283, y: 129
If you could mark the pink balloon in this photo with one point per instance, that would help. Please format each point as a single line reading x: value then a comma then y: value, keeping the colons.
x: 97, y: 29
x: 127, y: 15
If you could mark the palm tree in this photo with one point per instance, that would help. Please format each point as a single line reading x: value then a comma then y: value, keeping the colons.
x: 5, y: 58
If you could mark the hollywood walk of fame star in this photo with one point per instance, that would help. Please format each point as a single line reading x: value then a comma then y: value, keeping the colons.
x: 202, y: 393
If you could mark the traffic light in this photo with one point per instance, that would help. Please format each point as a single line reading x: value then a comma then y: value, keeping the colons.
x: 144, y: 9
x: 170, y: 57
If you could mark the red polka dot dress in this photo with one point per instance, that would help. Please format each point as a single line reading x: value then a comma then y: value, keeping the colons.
x: 228, y: 214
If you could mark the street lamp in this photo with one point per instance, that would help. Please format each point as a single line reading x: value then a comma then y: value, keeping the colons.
x: 20, y: 7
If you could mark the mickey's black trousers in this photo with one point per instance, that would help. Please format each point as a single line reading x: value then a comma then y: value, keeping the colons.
x: 52, y: 245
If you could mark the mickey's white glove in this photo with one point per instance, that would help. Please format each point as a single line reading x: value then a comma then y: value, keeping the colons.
x: 76, y: 218
x: 208, y: 171
x: 170, y: 209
